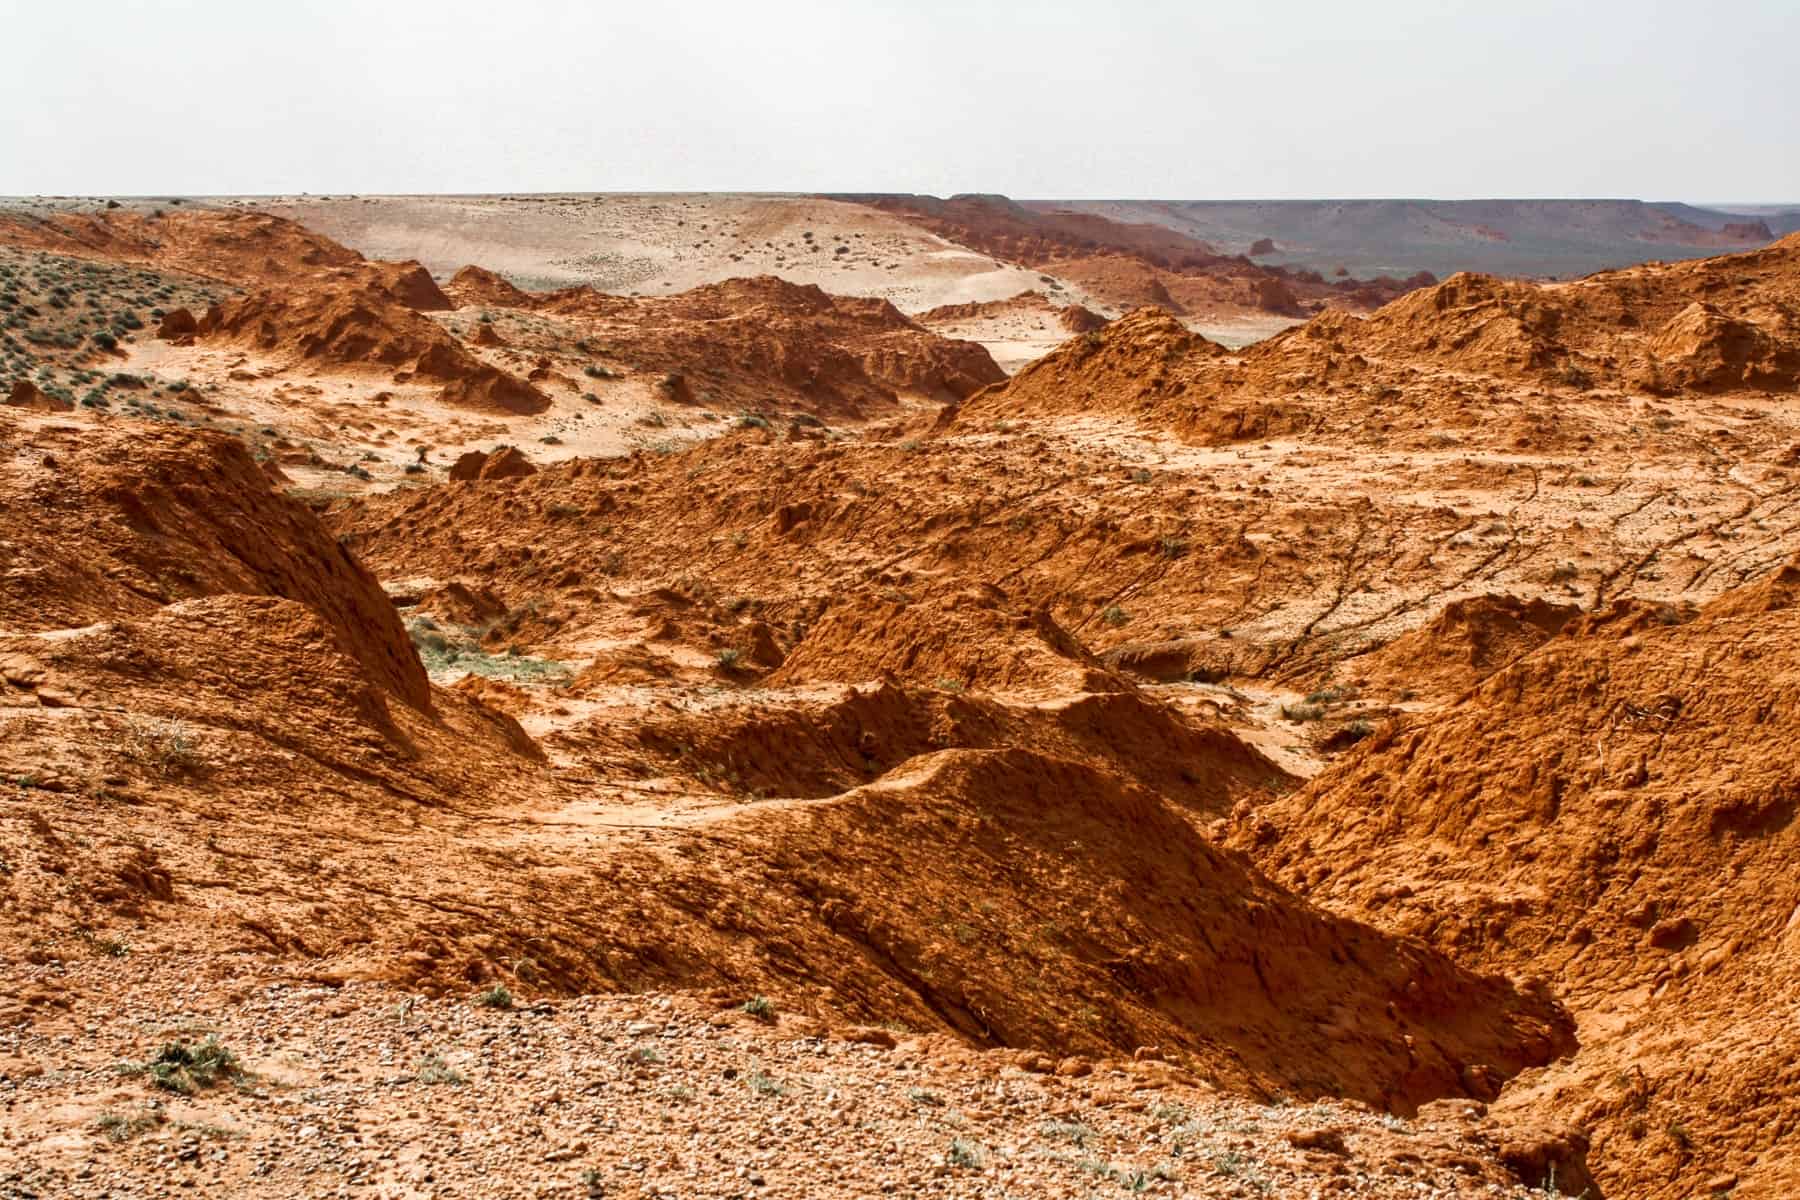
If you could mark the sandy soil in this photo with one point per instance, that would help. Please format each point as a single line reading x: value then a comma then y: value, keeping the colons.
x: 334, y: 420
x: 369, y: 1091
x: 658, y: 244
x: 655, y: 244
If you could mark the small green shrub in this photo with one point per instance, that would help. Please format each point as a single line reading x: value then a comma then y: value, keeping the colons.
x: 118, y: 1127
x: 1573, y: 376
x: 163, y: 746
x: 189, y: 1068
x: 433, y: 1071
x: 1072, y: 1132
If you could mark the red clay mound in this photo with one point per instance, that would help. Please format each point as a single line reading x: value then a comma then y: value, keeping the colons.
x: 236, y: 783
x: 1147, y: 367
x: 1127, y: 282
x: 483, y: 387
x: 507, y: 462
x: 246, y: 248
x: 475, y: 286
x: 176, y: 324
x: 1277, y: 296
x: 1464, y: 644
x: 409, y: 284
x: 750, y: 341
x: 978, y: 310
x: 352, y: 322
x: 1778, y: 590
x: 1210, y: 963
x: 1761, y: 284
x: 967, y: 639
x: 1716, y: 324
x: 1077, y: 319
x: 289, y: 681
x: 118, y: 520
x: 1616, y: 814
x: 240, y: 247
x: 1704, y: 349
x: 28, y: 395
x: 1473, y: 322
x: 814, y: 750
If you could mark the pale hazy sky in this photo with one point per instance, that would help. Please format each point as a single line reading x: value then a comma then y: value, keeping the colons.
x: 1160, y: 98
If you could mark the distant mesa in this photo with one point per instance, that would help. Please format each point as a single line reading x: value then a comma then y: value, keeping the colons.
x: 1753, y: 232
x: 1128, y: 264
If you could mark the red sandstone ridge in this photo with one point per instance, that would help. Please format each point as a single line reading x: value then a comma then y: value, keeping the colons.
x: 1706, y: 324
x: 1424, y: 361
x: 1613, y: 812
x: 357, y: 322
x: 507, y: 462
x: 1077, y: 319
x: 109, y: 523
x: 26, y: 394
x: 1465, y: 643
x: 971, y: 638
x: 1146, y: 366
x: 245, y: 248
x: 177, y: 323
x: 474, y: 286
x: 1025, y: 303
x: 747, y: 341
